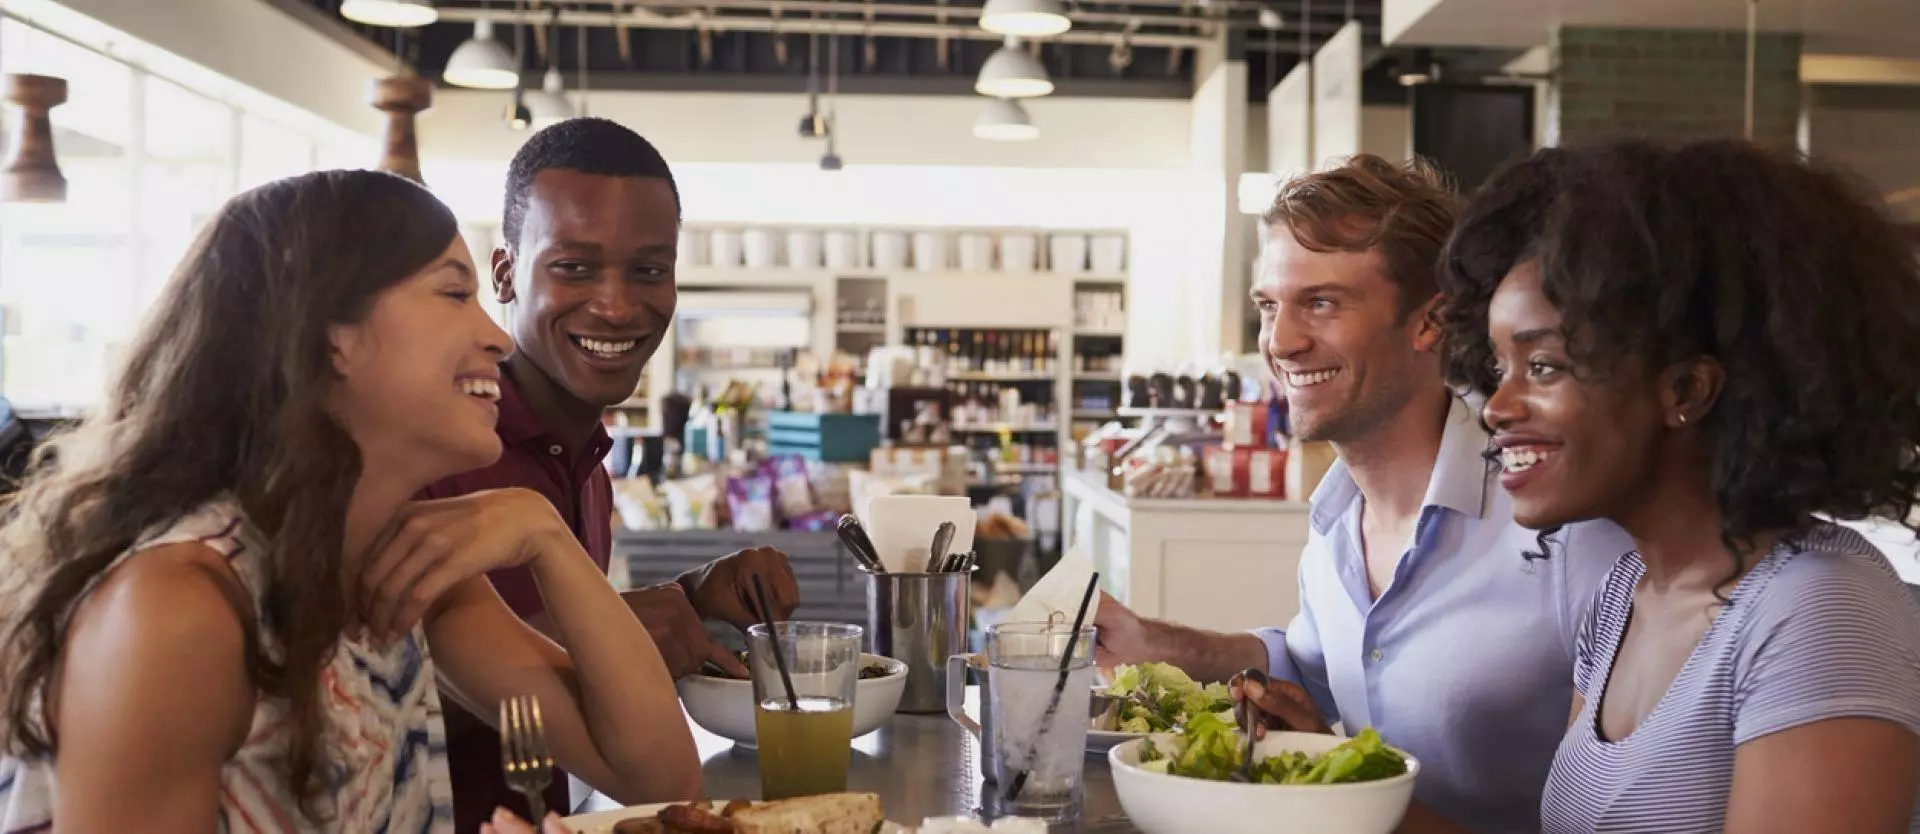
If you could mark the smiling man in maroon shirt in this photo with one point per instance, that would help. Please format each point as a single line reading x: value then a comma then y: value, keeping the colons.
x: 591, y: 225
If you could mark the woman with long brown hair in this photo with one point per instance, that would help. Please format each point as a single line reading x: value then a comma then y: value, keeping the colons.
x: 222, y: 610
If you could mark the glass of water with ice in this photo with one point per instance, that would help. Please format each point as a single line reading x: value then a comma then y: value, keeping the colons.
x: 1041, y: 726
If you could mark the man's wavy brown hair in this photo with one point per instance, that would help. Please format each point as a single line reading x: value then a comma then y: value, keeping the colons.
x: 1407, y: 210
x: 223, y: 394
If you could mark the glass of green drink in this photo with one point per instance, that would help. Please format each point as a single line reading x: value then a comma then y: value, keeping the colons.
x: 804, y: 751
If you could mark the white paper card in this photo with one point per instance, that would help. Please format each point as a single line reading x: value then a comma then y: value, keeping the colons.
x: 1057, y: 595
x: 902, y: 527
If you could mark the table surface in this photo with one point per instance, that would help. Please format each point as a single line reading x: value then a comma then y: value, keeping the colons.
x: 920, y: 765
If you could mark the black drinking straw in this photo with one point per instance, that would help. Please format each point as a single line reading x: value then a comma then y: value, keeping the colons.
x: 1060, y: 686
x: 773, y: 636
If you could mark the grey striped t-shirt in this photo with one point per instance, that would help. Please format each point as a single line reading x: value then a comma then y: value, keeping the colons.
x: 1819, y: 629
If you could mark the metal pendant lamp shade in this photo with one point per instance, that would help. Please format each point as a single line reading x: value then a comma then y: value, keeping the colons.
x: 1013, y: 72
x: 549, y: 105
x: 482, y: 63
x: 1025, y: 18
x: 1005, y: 120
x: 32, y: 174
x: 397, y: 14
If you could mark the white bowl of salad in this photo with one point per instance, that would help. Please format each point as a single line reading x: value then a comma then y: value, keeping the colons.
x: 1173, y: 783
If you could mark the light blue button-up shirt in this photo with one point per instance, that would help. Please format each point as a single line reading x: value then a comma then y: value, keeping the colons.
x: 1466, y: 659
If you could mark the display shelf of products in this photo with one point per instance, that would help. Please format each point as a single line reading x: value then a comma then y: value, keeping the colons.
x: 991, y: 352
x: 982, y: 428
x: 1079, y: 253
x: 1002, y: 378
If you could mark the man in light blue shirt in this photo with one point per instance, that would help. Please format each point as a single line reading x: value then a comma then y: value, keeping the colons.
x: 1425, y: 611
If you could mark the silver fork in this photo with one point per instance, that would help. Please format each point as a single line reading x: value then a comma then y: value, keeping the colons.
x: 523, y: 752
x: 1248, y: 716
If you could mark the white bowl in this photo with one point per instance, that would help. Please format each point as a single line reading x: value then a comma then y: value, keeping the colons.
x: 1159, y: 803
x: 724, y: 706
x: 1018, y: 252
x: 803, y: 249
x: 929, y: 251
x: 889, y: 250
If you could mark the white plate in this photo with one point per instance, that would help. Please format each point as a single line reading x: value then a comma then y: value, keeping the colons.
x: 604, y: 821
x: 1100, y: 741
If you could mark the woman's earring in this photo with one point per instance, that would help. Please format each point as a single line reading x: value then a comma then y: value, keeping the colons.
x: 1683, y: 419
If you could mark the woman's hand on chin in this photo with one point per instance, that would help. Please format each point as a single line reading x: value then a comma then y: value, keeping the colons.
x: 432, y: 546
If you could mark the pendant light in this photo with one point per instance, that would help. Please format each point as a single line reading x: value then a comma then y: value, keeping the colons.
x: 831, y: 161
x: 401, y: 97
x: 1005, y: 120
x: 1025, y: 18
x: 1013, y: 72
x: 549, y: 105
x: 482, y: 63
x: 32, y: 174
x: 398, y: 14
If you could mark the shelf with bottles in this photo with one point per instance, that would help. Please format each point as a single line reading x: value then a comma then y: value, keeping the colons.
x: 1023, y: 353
x: 993, y: 428
x: 987, y: 404
x: 1010, y: 379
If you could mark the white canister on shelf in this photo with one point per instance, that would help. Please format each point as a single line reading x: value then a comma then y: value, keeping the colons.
x: 929, y: 251
x: 843, y: 249
x: 1018, y: 251
x: 889, y: 250
x: 724, y: 247
x: 689, y: 251
x: 1109, y: 254
x: 976, y: 251
x: 1067, y: 253
x: 803, y: 249
x: 761, y: 246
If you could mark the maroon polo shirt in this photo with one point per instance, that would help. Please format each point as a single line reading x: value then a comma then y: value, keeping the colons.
x: 534, y: 458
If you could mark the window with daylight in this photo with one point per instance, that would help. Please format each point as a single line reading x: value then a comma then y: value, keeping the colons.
x: 147, y: 161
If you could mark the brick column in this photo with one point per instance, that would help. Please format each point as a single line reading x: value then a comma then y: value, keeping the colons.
x: 1672, y: 84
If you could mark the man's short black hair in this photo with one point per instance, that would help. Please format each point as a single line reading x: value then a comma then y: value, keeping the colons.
x: 587, y: 145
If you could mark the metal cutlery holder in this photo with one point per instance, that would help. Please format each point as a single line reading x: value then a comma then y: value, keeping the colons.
x: 920, y: 619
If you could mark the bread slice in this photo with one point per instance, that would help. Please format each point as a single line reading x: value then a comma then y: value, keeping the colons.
x: 834, y: 813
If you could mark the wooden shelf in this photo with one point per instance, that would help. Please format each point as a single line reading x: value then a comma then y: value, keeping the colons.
x: 877, y: 329
x: 1002, y: 378
x: 1098, y: 333
x: 1026, y: 468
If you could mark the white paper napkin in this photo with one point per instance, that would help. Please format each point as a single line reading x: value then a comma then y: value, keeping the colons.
x: 1057, y: 595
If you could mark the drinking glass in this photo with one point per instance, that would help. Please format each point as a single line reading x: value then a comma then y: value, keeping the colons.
x: 804, y: 751
x: 1041, y: 725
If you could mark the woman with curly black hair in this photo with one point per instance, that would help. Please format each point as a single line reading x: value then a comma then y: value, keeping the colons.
x: 1716, y: 348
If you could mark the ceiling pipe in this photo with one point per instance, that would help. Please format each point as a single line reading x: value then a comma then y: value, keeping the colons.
x: 648, y: 19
